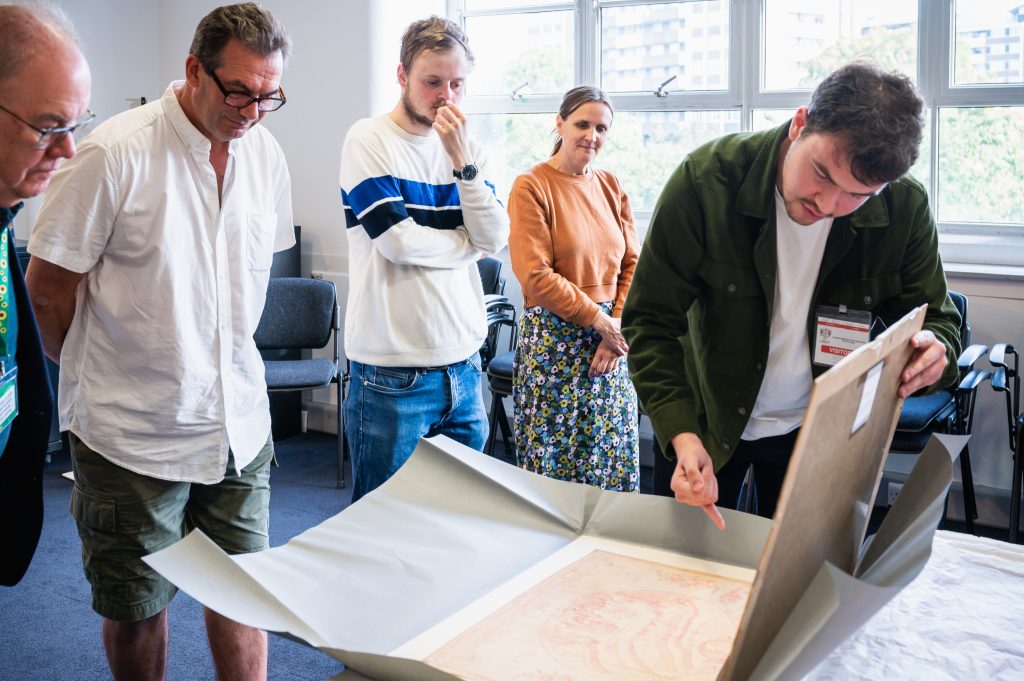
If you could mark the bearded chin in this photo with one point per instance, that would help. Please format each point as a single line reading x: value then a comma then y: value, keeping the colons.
x: 414, y: 116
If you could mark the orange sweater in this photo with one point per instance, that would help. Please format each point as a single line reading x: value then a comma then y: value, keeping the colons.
x: 572, y: 242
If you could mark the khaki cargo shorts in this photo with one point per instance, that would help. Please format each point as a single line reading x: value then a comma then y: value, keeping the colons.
x: 123, y: 516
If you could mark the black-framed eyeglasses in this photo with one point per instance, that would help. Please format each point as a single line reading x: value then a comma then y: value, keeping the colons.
x: 49, y: 137
x: 241, y: 100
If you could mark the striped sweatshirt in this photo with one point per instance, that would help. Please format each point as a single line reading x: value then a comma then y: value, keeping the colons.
x: 414, y: 236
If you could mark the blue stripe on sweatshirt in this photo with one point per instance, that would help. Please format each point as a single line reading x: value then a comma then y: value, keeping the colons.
x: 377, y: 203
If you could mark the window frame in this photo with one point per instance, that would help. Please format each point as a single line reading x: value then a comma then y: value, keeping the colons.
x: 935, y: 54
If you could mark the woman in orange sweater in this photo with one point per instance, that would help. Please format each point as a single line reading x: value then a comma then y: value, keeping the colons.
x: 573, y: 248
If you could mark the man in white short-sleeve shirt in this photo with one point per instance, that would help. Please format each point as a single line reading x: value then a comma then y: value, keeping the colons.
x: 151, y: 257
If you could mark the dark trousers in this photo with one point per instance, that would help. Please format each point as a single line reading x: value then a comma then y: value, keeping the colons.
x: 769, y: 457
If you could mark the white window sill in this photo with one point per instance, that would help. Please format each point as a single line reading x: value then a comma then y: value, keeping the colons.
x: 985, y: 256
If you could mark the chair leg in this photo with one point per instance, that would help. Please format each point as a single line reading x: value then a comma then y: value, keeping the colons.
x: 1018, y: 471
x: 491, y: 423
x: 506, y: 431
x: 967, y: 481
x: 340, y: 422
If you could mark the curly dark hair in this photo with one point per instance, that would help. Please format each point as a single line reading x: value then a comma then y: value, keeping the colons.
x: 877, y: 116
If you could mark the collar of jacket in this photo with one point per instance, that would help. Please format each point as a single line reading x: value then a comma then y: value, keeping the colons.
x: 756, y: 196
x: 7, y: 213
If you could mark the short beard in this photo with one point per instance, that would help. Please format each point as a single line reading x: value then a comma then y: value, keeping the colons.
x: 414, y: 116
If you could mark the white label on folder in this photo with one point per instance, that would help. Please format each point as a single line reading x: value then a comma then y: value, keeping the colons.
x: 867, y: 397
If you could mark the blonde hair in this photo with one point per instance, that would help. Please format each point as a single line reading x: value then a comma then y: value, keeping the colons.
x: 436, y: 34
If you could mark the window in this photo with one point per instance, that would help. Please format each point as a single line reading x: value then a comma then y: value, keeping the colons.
x: 684, y: 72
x: 648, y: 23
x: 983, y: 27
x: 541, y: 56
x: 800, y: 51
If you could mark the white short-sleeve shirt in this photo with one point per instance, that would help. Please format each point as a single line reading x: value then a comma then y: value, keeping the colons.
x: 159, y: 371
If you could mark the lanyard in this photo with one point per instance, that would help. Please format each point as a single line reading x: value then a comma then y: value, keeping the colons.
x: 5, y: 292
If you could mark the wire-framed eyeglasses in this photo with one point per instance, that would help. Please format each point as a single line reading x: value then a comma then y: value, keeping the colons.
x: 49, y: 137
x: 241, y: 100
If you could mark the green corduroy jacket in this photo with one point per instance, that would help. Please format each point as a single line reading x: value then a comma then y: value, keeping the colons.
x: 698, y: 314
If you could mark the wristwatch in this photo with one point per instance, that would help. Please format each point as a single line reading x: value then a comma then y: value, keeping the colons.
x: 467, y: 173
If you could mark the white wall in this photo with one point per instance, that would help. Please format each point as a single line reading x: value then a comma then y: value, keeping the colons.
x: 124, y: 63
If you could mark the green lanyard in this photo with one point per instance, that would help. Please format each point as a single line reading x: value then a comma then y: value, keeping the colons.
x: 5, y: 294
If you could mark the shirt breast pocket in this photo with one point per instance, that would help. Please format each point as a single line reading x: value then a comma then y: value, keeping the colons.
x: 260, y: 233
x: 733, y: 302
x: 864, y: 294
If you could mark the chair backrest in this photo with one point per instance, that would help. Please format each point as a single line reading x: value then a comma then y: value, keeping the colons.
x: 960, y: 302
x: 490, y: 275
x: 501, y: 314
x: 299, y: 313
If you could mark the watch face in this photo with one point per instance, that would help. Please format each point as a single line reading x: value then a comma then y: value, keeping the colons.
x: 468, y: 172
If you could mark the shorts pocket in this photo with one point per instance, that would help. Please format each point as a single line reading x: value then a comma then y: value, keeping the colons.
x: 93, y: 512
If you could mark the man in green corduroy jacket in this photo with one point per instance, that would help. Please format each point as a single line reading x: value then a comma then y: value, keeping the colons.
x: 770, y: 256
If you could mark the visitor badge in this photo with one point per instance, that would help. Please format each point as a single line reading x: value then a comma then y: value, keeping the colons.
x: 8, y: 395
x: 839, y: 332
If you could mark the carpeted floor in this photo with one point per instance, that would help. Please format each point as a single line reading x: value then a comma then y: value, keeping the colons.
x: 50, y: 633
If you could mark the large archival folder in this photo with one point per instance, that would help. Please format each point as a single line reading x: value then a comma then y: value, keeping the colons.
x: 453, y: 526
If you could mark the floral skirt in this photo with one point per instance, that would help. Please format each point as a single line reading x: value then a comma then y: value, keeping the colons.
x: 568, y: 425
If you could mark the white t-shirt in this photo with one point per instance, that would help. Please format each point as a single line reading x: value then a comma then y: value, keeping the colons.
x: 159, y: 371
x: 786, y: 387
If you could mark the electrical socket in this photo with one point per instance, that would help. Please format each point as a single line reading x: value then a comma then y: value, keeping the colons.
x: 894, y: 491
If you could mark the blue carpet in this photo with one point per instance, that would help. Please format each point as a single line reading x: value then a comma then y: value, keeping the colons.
x: 50, y: 632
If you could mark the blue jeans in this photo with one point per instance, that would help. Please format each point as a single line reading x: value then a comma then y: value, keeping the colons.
x: 388, y: 409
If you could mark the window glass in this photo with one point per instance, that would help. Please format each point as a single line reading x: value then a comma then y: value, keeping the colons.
x: 805, y: 40
x: 989, y: 42
x: 514, y: 144
x: 643, y: 148
x: 981, y: 167
x: 485, y: 5
x: 771, y: 118
x: 514, y: 49
x: 642, y: 46
x: 922, y: 169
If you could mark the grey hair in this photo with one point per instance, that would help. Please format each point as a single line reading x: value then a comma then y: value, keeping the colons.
x: 256, y: 28
x: 29, y: 29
